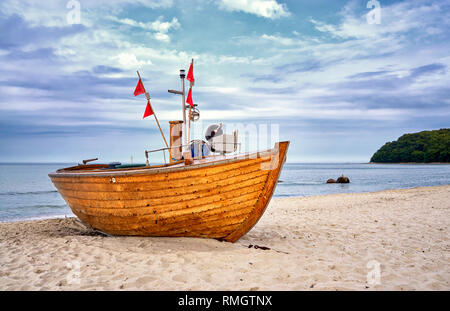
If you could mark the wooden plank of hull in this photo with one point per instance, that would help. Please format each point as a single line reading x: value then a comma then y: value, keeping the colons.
x: 223, y: 196
x: 161, y: 204
x: 166, y: 209
x: 169, y: 174
x: 170, y: 195
x: 184, y: 217
x: 108, y: 191
x: 164, y: 229
x: 198, y: 212
x: 221, y: 201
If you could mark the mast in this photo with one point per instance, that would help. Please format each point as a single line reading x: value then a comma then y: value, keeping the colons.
x: 183, y: 106
x: 189, y: 117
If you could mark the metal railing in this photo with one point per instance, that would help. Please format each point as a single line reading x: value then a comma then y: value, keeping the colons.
x: 184, y: 145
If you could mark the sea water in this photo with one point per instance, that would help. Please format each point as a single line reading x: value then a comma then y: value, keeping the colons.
x: 26, y: 191
x: 310, y: 179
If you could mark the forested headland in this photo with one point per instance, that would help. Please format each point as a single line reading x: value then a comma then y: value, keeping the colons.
x: 421, y: 147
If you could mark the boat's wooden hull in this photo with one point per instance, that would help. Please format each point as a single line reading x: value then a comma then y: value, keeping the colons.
x: 213, y: 199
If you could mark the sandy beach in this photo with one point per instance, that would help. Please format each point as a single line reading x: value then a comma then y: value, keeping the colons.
x: 388, y: 240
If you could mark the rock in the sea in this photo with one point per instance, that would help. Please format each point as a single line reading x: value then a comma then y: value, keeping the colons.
x: 331, y: 181
x: 343, y: 180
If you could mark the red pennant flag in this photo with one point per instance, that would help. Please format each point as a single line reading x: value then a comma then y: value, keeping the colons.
x: 190, y: 75
x: 139, y: 88
x: 189, y: 98
x: 148, y: 110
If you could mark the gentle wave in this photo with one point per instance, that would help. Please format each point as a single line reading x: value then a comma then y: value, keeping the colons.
x: 38, y: 206
x: 26, y: 193
x: 45, y: 206
x: 286, y: 195
x: 29, y: 218
x: 289, y: 183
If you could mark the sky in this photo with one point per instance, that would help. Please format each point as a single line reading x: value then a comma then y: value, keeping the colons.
x: 337, y: 79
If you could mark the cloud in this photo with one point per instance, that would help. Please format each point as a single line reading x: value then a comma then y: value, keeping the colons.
x: 372, y: 74
x: 106, y: 69
x: 428, y: 69
x: 163, y: 27
x: 161, y: 37
x: 158, y: 28
x: 280, y: 40
x: 17, y: 33
x: 158, y: 25
x: 333, y: 77
x: 395, y: 19
x: 54, y: 13
x: 265, y: 8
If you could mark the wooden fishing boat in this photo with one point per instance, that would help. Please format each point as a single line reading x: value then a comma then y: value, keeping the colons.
x: 216, y: 196
x: 220, y: 197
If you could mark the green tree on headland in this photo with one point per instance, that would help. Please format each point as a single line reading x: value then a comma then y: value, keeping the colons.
x: 422, y: 147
